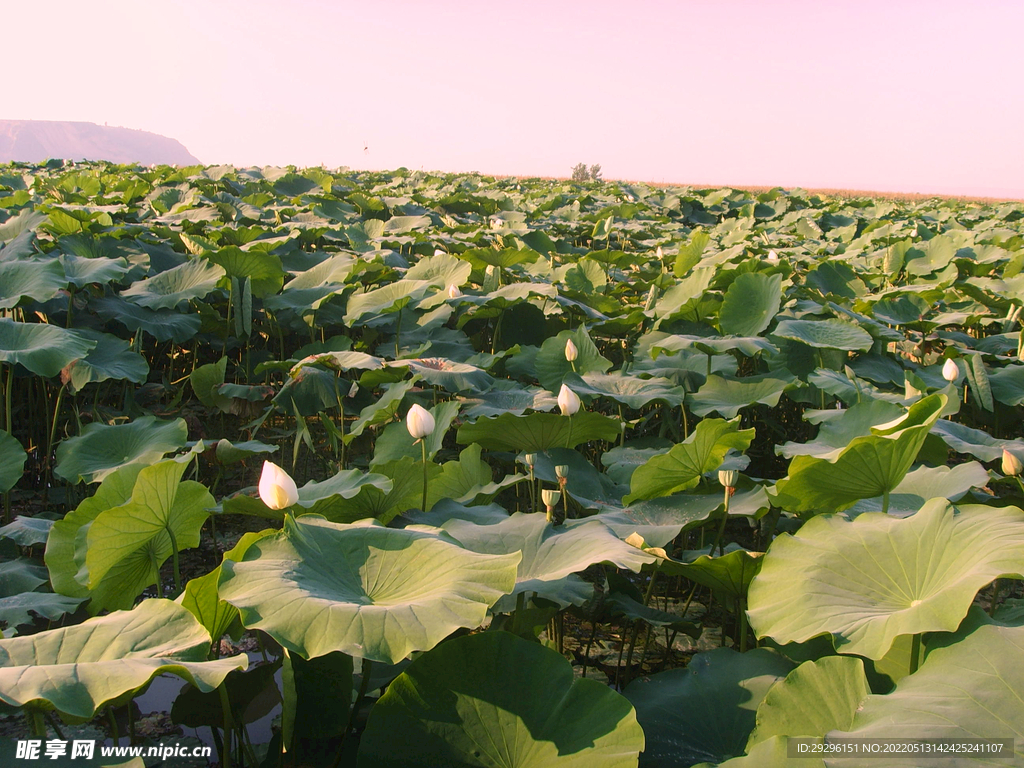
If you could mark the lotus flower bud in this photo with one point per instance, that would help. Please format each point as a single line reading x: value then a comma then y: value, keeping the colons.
x: 659, y: 254
x: 419, y: 422
x: 561, y: 470
x: 568, y: 401
x: 530, y: 459
x: 277, y: 489
x: 571, y: 353
x: 773, y: 257
x: 950, y: 371
x: 354, y: 389
x: 1012, y: 466
x: 438, y: 252
x: 454, y: 292
x: 728, y: 477
x: 550, y: 497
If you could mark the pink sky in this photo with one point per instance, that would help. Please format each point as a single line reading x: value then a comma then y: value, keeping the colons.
x: 922, y: 96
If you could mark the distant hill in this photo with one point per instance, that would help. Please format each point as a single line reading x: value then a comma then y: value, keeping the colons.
x: 32, y: 141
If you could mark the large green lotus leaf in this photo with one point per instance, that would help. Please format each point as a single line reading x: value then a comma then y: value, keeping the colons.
x: 1008, y: 385
x: 77, y: 670
x: 839, y: 428
x: 385, y: 594
x: 81, y: 271
x: 622, y: 460
x: 825, y: 334
x: 391, y: 298
x: 978, y: 443
x: 770, y: 753
x: 192, y: 280
x: 708, y: 345
x: 35, y: 279
x: 706, y: 711
x: 682, y: 293
x: 727, y: 396
x: 515, y: 399
x: 20, y: 575
x: 873, y: 465
x: 25, y: 531
x: 815, y: 698
x: 453, y: 376
x: 728, y: 575
x: 494, y: 699
x: 631, y: 391
x: 111, y: 358
x: 480, y: 258
x: 102, y: 448
x: 12, y: 461
x: 969, y: 690
x: 878, y: 577
x: 552, y: 367
x: 124, y: 546
x: 232, y: 453
x: 750, y: 304
x: 161, y: 324
x: 60, y: 555
x: 926, y: 483
x: 264, y: 270
x: 20, y: 609
x: 550, y: 553
x: 327, y: 498
x: 537, y: 432
x: 43, y: 349
x: 684, y: 465
x: 442, y: 270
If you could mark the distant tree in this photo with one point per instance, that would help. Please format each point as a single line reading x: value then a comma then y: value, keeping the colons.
x: 580, y: 172
x: 595, y: 172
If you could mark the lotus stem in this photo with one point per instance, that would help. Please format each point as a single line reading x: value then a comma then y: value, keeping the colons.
x: 590, y: 644
x: 721, y: 529
x: 36, y: 723
x: 995, y: 598
x: 742, y: 604
x: 53, y: 428
x: 156, y: 568
x: 112, y: 720
x: 229, y: 721
x: 622, y: 428
x: 364, y: 685
x: 915, y: 653
x: 885, y: 501
x: 174, y: 561
x: 398, y: 334
x: 423, y: 446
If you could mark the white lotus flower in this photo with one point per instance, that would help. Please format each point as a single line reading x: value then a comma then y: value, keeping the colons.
x: 277, y: 489
x: 568, y: 401
x: 571, y: 353
x: 773, y: 256
x: 439, y: 252
x: 1011, y: 466
x: 419, y: 422
x: 454, y: 292
x: 950, y: 371
x: 658, y: 253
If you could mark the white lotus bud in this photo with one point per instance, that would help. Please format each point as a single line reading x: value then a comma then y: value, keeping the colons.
x: 277, y: 489
x: 454, y: 292
x: 950, y: 371
x: 568, y: 401
x: 728, y: 477
x: 438, y: 252
x: 772, y: 256
x: 419, y: 422
x: 659, y: 254
x: 354, y: 389
x: 571, y: 353
x: 549, y: 497
x: 1011, y: 466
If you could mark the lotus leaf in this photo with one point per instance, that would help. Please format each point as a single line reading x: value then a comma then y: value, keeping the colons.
x: 388, y: 593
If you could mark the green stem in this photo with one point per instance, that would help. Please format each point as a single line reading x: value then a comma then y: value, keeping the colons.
x: 398, y: 335
x: 995, y: 598
x: 885, y: 501
x: 622, y: 428
x: 53, y: 427
x: 721, y: 529
x: 590, y: 644
x: 156, y: 568
x: 686, y: 425
x: 174, y: 560
x: 37, y: 725
x: 533, y: 491
x: 915, y: 653
x: 423, y: 445
x: 229, y: 722
x: 743, y: 624
x: 364, y: 685
x: 113, y: 726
